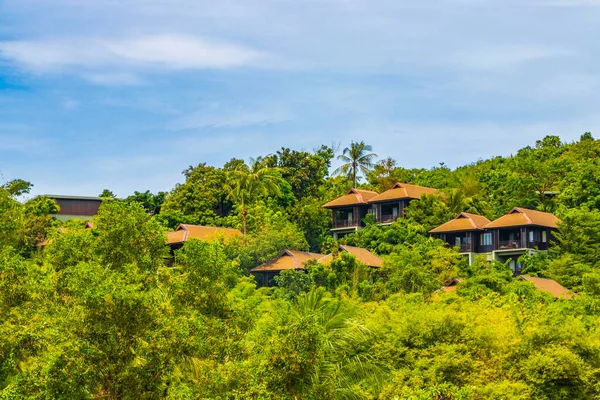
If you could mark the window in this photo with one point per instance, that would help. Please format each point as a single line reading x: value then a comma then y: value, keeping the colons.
x: 544, y: 237
x: 486, y: 239
x: 531, y: 236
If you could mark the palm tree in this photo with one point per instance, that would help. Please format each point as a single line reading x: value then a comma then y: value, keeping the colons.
x: 246, y: 184
x: 343, y: 366
x: 356, y: 157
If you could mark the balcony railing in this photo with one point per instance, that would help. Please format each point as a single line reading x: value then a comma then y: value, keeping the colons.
x: 386, y: 218
x: 516, y: 244
x: 509, y: 244
x: 344, y: 223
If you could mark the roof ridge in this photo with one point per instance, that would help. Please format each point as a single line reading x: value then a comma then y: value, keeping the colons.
x: 524, y: 212
x: 185, y: 230
x: 468, y: 217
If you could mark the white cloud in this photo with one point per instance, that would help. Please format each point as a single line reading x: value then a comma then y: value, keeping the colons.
x: 154, y: 51
x: 113, y: 78
x: 220, y: 116
x: 570, y: 3
x: 506, y: 56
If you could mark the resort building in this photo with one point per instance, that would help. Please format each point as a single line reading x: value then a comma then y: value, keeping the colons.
x: 521, y: 231
x: 294, y: 260
x: 349, y: 209
x: 287, y: 260
x: 466, y: 232
x: 185, y: 232
x: 82, y: 207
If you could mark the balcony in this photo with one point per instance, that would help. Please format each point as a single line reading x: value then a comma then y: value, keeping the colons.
x: 516, y: 244
x: 509, y: 244
x: 344, y: 223
x: 386, y: 218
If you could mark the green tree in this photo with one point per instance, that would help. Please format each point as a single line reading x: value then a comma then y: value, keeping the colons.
x: 107, y: 194
x: 246, y: 184
x: 304, y: 171
x: 357, y: 158
x: 127, y: 235
x: 201, y: 200
x: 151, y: 202
x: 17, y: 187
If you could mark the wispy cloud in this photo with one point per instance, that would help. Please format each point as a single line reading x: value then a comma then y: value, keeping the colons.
x: 221, y: 116
x: 507, y: 55
x: 113, y: 78
x: 169, y: 52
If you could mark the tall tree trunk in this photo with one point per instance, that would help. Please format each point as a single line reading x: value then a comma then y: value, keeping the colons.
x: 354, y: 174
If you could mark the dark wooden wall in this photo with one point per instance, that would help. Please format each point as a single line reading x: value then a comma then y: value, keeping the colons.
x: 78, y: 207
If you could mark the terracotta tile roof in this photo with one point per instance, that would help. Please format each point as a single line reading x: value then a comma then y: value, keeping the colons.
x: 185, y: 232
x: 463, y: 222
x: 364, y: 256
x: 403, y: 191
x: 351, y: 198
x: 176, y: 237
x: 288, y: 259
x: 522, y: 216
x: 550, y: 286
x: 89, y: 225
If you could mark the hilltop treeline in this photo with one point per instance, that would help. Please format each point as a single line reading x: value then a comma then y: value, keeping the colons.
x: 97, y: 314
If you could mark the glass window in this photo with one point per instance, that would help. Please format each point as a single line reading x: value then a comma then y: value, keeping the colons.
x: 486, y: 239
x: 531, y: 236
x: 544, y: 237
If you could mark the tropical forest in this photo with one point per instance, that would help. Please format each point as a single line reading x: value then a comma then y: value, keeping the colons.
x: 107, y: 310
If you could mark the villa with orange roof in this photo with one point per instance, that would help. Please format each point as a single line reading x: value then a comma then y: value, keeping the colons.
x: 349, y: 209
x: 287, y: 260
x: 294, y: 260
x: 467, y: 233
x: 520, y: 231
x: 185, y: 232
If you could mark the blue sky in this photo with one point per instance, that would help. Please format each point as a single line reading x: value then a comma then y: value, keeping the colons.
x: 126, y: 94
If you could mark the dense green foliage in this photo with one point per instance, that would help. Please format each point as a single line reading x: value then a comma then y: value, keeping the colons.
x: 98, y: 314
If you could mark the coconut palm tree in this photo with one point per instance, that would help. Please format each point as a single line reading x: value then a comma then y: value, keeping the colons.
x: 246, y: 184
x: 358, y: 158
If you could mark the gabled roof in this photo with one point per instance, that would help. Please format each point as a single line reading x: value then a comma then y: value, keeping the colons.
x: 463, y: 222
x: 288, y: 259
x: 186, y: 232
x: 522, y: 217
x: 363, y: 256
x: 352, y: 197
x: 550, y: 286
x: 403, y: 191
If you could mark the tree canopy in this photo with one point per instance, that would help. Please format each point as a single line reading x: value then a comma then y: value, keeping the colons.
x: 93, y: 311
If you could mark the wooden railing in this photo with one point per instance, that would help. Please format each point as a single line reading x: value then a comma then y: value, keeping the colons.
x: 516, y: 244
x: 385, y: 218
x: 509, y: 244
x: 344, y: 223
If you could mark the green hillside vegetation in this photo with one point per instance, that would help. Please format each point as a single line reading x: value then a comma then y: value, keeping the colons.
x: 97, y: 314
